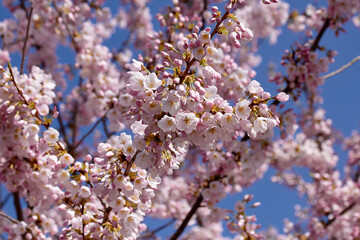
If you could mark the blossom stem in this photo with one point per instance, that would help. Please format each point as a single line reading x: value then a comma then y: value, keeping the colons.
x: 25, y: 42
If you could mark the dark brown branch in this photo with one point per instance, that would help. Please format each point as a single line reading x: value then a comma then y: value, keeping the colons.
x: 108, y: 135
x: 320, y: 34
x: 185, y: 222
x: 218, y: 24
x: 345, y: 210
x: 202, y: 15
x: 25, y: 41
x: 74, y: 126
x: 62, y: 127
x: 17, y: 205
x: 129, y: 164
x: 188, y: 65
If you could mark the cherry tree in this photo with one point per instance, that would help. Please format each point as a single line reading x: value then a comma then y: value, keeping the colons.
x: 170, y: 122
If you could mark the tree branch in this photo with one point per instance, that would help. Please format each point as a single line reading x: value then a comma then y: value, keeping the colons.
x: 25, y: 41
x: 342, y: 68
x: 2, y: 214
x: 183, y: 225
x: 17, y: 205
x: 202, y: 15
x: 152, y: 233
x: 88, y: 133
x: 129, y: 164
x: 108, y: 135
x: 62, y: 127
x: 320, y: 34
x: 345, y: 210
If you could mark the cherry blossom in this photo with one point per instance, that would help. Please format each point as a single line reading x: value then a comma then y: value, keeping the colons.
x: 169, y: 122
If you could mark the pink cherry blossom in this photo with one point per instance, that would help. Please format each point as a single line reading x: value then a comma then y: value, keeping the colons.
x: 170, y: 122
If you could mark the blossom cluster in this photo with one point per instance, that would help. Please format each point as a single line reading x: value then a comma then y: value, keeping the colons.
x: 175, y: 129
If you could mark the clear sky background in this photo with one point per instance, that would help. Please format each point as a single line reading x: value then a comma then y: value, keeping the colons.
x: 340, y: 94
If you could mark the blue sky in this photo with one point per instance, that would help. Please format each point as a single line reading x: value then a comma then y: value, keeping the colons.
x: 340, y: 94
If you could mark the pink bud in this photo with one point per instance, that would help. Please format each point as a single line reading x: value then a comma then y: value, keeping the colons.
x: 159, y: 68
x: 165, y: 55
x: 196, y: 29
x: 256, y: 204
x: 177, y: 62
x: 252, y: 73
x: 282, y: 97
x: 185, y: 45
x: 265, y: 95
x: 139, y: 103
x: 201, y: 90
x: 169, y: 46
x: 214, y: 9
x: 237, y: 44
x: 88, y: 158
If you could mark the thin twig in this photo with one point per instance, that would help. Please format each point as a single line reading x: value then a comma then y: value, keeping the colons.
x: 25, y: 41
x: 74, y: 126
x: 152, y: 233
x: 62, y: 127
x: 185, y: 222
x: 202, y: 15
x: 2, y: 214
x: 108, y: 135
x: 342, y: 68
x: 89, y: 132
